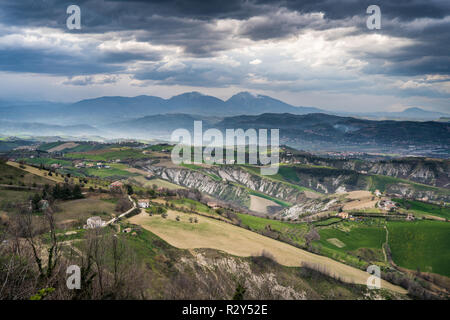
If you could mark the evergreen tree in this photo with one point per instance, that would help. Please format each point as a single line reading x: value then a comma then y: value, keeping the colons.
x: 35, y: 202
x: 76, y: 193
x: 240, y: 292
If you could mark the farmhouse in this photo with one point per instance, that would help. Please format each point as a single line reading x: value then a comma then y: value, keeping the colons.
x: 387, y: 205
x: 94, y: 222
x: 410, y: 217
x: 342, y: 215
x: 213, y: 205
x: 80, y: 164
x: 55, y: 166
x: 117, y: 185
x: 144, y: 203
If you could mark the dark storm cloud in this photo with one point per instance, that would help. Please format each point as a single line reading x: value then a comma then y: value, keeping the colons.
x: 401, y: 9
x: 41, y: 61
x: 205, y: 75
x: 190, y: 25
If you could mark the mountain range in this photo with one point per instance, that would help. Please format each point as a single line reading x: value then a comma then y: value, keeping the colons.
x: 106, y: 110
x: 149, y: 117
x: 112, y: 109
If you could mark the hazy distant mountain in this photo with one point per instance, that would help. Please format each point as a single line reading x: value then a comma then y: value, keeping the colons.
x: 105, y: 110
x: 410, y: 113
x: 39, y: 111
x: 248, y: 103
x: 11, y: 128
x: 315, y: 131
x: 153, y: 126
x: 321, y: 131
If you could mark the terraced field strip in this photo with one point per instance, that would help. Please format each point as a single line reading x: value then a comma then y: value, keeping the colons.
x: 335, y: 241
x: 210, y: 233
x: 261, y: 205
x: 68, y: 145
x: 36, y: 171
x: 43, y: 173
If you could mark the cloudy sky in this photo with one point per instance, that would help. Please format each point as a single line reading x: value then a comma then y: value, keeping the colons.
x: 308, y: 53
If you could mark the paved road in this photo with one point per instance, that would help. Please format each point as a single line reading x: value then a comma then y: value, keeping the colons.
x: 123, y: 214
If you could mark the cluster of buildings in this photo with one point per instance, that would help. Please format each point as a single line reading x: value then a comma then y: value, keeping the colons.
x: 99, y: 165
x: 387, y: 205
x: 345, y: 215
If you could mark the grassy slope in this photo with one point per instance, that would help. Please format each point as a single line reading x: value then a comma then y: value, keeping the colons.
x: 9, y: 197
x: 108, y: 155
x: 285, y: 175
x: 382, y: 182
x: 210, y: 233
x: 148, y: 183
x: 116, y: 171
x: 293, y: 231
x: 359, y: 239
x: 50, y: 145
x: 54, y: 178
x: 157, y: 253
x: 46, y: 161
x: 421, y: 244
x: 199, y: 168
x: 16, y: 176
x: 82, y: 209
x: 423, y: 209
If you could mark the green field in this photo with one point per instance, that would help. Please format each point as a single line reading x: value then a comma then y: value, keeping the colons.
x: 45, y: 161
x: 117, y: 171
x: 421, y: 244
x: 353, y: 243
x: 108, y: 155
x: 354, y: 237
x: 288, y: 173
x: 50, y: 145
x: 293, y: 231
x: 87, y: 147
x: 159, y: 147
x: 327, y: 222
x: 420, y: 208
x: 82, y: 147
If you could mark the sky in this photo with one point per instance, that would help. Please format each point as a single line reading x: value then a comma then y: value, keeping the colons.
x: 307, y: 53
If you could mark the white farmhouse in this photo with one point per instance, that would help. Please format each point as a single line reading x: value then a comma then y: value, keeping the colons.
x: 144, y: 203
x: 94, y: 222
